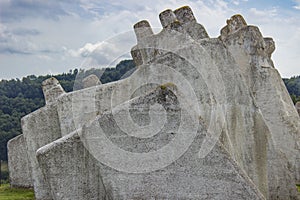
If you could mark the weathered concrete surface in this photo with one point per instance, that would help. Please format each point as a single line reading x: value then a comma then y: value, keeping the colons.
x: 18, y: 164
x: 90, y: 81
x: 53, y: 156
x: 290, y: 143
x: 248, y: 130
x: 252, y: 53
x: 217, y: 176
x: 52, y: 89
x: 76, y: 175
x: 298, y: 107
x: 40, y: 128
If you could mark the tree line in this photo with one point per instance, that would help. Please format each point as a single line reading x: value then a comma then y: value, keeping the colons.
x: 21, y: 97
x: 293, y: 86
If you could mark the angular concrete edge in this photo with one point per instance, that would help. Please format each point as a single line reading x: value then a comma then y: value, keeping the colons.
x: 248, y: 46
x: 40, y: 128
x: 69, y: 169
x: 249, y: 50
x: 223, y: 176
x: 52, y: 90
x: 20, y: 173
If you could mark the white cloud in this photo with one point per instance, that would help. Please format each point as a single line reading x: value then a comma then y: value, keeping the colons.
x: 103, y: 53
x: 263, y: 13
x: 85, y: 50
x: 97, y: 28
x: 235, y: 2
x: 297, y: 6
x: 11, y: 43
x: 106, y: 53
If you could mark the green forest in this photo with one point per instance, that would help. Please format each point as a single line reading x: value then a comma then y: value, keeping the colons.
x: 20, y: 97
x: 293, y: 86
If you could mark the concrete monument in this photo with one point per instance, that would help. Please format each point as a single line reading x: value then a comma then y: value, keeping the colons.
x: 200, y: 118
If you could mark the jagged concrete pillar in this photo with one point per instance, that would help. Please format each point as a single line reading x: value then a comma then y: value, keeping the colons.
x: 240, y: 96
x: 40, y: 128
x: 70, y: 171
x: 142, y: 29
x: 90, y: 81
x: 18, y: 164
x: 252, y: 52
x: 187, y: 19
x: 235, y: 23
x: 270, y: 46
x: 52, y: 89
x: 167, y: 17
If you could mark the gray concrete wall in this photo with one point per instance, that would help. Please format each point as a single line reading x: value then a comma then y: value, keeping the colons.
x: 18, y: 164
x: 40, y: 128
x: 253, y: 53
x: 66, y: 160
x: 298, y: 107
x: 246, y: 142
x: 217, y: 176
x: 69, y: 169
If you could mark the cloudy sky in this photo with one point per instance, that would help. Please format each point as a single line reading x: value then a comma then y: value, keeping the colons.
x: 50, y: 37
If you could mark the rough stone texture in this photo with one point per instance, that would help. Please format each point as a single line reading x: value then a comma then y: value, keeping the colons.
x: 167, y: 17
x: 188, y: 21
x: 40, y: 128
x: 18, y: 163
x: 252, y: 53
x: 90, y: 81
x: 298, y: 107
x: 227, y: 84
x: 76, y: 175
x: 217, y: 176
x: 52, y: 89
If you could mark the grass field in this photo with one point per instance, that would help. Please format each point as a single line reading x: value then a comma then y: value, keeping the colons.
x: 7, y: 193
